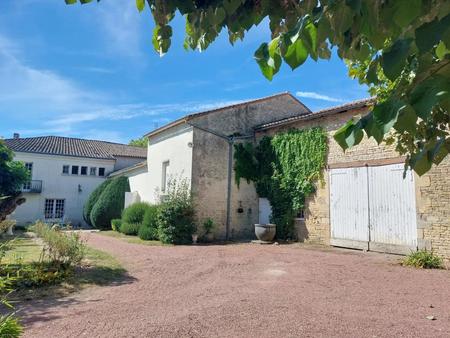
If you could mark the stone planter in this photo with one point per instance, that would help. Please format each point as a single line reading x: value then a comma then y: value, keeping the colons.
x: 194, y: 238
x: 265, y: 232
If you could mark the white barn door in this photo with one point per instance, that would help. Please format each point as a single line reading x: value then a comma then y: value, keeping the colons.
x: 373, y: 208
x: 393, y: 221
x: 349, y: 208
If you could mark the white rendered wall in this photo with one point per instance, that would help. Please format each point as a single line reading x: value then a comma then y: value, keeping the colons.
x: 173, y: 145
x: 56, y: 185
x: 139, y: 183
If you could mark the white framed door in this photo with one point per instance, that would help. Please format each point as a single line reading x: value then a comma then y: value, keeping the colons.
x: 349, y: 208
x: 373, y: 208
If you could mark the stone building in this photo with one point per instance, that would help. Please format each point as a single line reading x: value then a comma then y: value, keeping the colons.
x: 364, y: 202
x: 424, y: 223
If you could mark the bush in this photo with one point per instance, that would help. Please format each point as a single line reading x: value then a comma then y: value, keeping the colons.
x: 60, y: 248
x: 93, y: 198
x: 424, y: 259
x: 149, y: 228
x: 115, y: 224
x: 10, y: 326
x: 175, y: 218
x: 131, y: 229
x: 135, y: 212
x: 147, y: 233
x: 110, y: 203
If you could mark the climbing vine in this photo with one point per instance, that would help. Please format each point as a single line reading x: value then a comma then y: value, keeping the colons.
x: 284, y: 169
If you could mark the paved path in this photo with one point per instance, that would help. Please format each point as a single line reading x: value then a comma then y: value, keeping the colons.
x: 250, y: 291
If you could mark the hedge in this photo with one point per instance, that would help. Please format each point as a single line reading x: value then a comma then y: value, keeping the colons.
x: 131, y: 229
x: 110, y: 203
x: 135, y: 212
x: 149, y: 228
x: 93, y: 198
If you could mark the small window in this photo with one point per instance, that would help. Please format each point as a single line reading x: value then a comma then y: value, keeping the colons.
x: 93, y: 171
x: 101, y: 171
x: 54, y: 208
x: 74, y: 170
x: 29, y: 167
x: 165, y: 167
x: 301, y: 215
x: 65, y: 170
x: 84, y: 170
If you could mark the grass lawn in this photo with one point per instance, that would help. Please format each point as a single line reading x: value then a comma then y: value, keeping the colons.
x: 97, y: 268
x: 130, y: 239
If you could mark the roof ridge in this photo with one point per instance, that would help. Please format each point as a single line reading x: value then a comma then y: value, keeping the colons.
x: 71, y: 138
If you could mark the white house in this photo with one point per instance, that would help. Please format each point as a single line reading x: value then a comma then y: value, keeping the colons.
x: 64, y: 172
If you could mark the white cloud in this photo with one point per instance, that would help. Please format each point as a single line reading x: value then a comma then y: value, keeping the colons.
x: 120, y: 20
x: 317, y: 96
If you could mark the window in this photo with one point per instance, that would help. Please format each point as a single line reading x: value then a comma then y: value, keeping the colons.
x: 301, y: 215
x: 65, y: 170
x: 29, y: 167
x: 74, y: 170
x: 101, y: 171
x: 165, y: 165
x: 54, y: 208
x: 83, y: 170
x: 93, y: 171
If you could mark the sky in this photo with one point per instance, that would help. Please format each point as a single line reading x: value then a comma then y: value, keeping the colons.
x: 90, y: 71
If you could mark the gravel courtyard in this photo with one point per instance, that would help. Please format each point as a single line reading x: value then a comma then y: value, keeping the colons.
x: 246, y: 290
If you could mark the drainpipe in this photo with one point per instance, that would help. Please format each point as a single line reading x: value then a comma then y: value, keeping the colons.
x: 230, y: 140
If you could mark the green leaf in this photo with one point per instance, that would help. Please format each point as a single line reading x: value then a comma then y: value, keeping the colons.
x: 309, y: 37
x: 371, y: 128
x: 71, y: 2
x: 268, y: 58
x: 439, y: 151
x: 341, y: 18
x: 348, y: 135
x: 406, y: 121
x: 161, y: 39
x: 295, y: 54
x: 406, y: 11
x: 393, y: 61
x: 140, y: 4
x: 429, y: 34
x: 385, y: 114
x: 441, y: 50
x: 420, y: 162
x: 429, y: 93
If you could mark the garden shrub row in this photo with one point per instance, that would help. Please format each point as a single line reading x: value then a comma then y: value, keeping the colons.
x: 172, y: 221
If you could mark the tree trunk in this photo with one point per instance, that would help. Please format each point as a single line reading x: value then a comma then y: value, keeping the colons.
x: 9, y: 203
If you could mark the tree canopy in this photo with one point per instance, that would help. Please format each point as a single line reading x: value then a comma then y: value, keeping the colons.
x: 139, y: 142
x: 13, y: 174
x: 399, y: 48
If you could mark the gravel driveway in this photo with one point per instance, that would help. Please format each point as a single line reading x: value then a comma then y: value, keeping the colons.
x: 246, y: 290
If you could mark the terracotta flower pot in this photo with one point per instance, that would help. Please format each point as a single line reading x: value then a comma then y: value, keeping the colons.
x: 265, y: 232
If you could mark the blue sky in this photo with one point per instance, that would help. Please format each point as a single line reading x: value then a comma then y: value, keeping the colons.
x: 90, y: 71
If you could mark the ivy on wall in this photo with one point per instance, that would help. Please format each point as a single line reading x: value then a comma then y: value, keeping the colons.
x: 284, y: 169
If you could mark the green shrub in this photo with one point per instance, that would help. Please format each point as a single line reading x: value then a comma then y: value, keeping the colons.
x: 93, y: 198
x: 424, y: 259
x: 131, y: 229
x: 115, y: 224
x: 147, y: 233
x: 10, y: 326
x: 208, y: 226
x: 175, y: 218
x: 110, y: 203
x: 149, y: 228
x: 135, y: 212
x: 62, y: 248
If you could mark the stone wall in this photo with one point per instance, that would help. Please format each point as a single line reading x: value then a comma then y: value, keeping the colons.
x: 210, y: 162
x: 432, y: 189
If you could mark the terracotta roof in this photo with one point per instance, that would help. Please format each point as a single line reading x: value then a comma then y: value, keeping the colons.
x: 66, y: 146
x: 240, y: 104
x: 324, y: 112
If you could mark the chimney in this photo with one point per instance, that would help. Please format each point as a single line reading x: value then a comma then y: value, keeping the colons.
x: 16, y: 135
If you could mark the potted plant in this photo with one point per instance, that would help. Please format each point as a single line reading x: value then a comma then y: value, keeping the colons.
x: 208, y: 226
